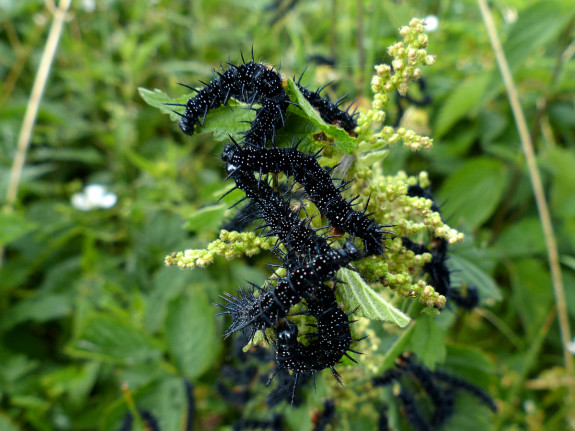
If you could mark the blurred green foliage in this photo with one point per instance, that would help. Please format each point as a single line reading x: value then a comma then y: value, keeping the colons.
x: 85, y: 302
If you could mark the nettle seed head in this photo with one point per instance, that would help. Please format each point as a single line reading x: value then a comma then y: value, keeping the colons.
x: 401, y: 270
x: 409, y: 55
x: 230, y: 245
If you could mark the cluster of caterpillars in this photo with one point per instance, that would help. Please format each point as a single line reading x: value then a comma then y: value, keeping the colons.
x: 309, y: 259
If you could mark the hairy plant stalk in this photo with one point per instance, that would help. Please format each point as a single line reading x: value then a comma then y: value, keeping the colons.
x: 538, y: 191
x: 34, y: 104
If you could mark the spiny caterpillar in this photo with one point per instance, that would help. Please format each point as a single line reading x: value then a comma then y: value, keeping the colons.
x: 440, y: 387
x: 309, y: 260
x: 256, y: 83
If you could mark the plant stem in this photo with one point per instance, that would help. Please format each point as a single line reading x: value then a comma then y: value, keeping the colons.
x: 544, y: 215
x: 34, y: 105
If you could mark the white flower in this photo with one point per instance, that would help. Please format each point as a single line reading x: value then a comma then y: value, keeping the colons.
x: 571, y: 346
x: 431, y: 23
x: 94, y: 196
x: 89, y: 6
x: 509, y: 15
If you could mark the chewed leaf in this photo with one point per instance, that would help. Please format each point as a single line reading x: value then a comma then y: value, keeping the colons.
x: 227, y: 120
x: 223, y: 121
x: 357, y: 293
x: 343, y: 141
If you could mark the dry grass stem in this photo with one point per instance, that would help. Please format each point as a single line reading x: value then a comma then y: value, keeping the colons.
x: 60, y: 14
x: 538, y: 191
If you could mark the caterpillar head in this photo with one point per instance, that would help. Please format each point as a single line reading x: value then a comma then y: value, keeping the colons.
x: 286, y: 334
x: 349, y: 250
x: 228, y: 156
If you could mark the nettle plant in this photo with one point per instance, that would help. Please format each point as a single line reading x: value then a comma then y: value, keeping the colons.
x: 367, y: 248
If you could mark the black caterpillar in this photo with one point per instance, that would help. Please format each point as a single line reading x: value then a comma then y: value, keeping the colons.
x: 328, y: 344
x: 238, y: 379
x: 309, y: 260
x: 273, y: 424
x: 439, y: 386
x: 332, y: 330
x: 317, y: 183
x: 256, y: 83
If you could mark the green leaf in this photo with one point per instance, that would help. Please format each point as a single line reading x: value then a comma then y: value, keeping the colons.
x: 523, y: 238
x: 111, y: 339
x: 191, y: 333
x: 86, y: 155
x: 428, y: 337
x: 167, y: 400
x: 222, y: 121
x: 462, y: 99
x: 469, y: 415
x: 158, y: 99
x: 299, y: 128
x: 30, y: 173
x: 369, y: 159
x: 469, y: 363
x: 13, y: 226
x: 40, y: 308
x: 227, y: 120
x: 536, y: 26
x: 471, y: 273
x: 165, y: 397
x: 299, y: 418
x: 6, y: 424
x: 560, y: 163
x: 357, y: 293
x: 342, y: 140
x: 532, y: 301
x: 568, y: 261
x: 396, y: 349
x: 169, y: 283
x: 15, y: 367
x: 472, y: 193
x: 73, y: 381
x: 207, y: 218
x: 150, y: 166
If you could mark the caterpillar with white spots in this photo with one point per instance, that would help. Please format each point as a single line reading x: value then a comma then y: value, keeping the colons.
x: 326, y: 347
x: 317, y: 183
x: 310, y: 261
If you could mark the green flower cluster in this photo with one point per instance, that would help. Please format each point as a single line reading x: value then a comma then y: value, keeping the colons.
x: 409, y: 215
x: 400, y: 269
x: 230, y: 245
x: 408, y: 55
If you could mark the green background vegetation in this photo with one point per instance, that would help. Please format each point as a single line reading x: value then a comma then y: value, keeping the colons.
x: 86, y: 304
